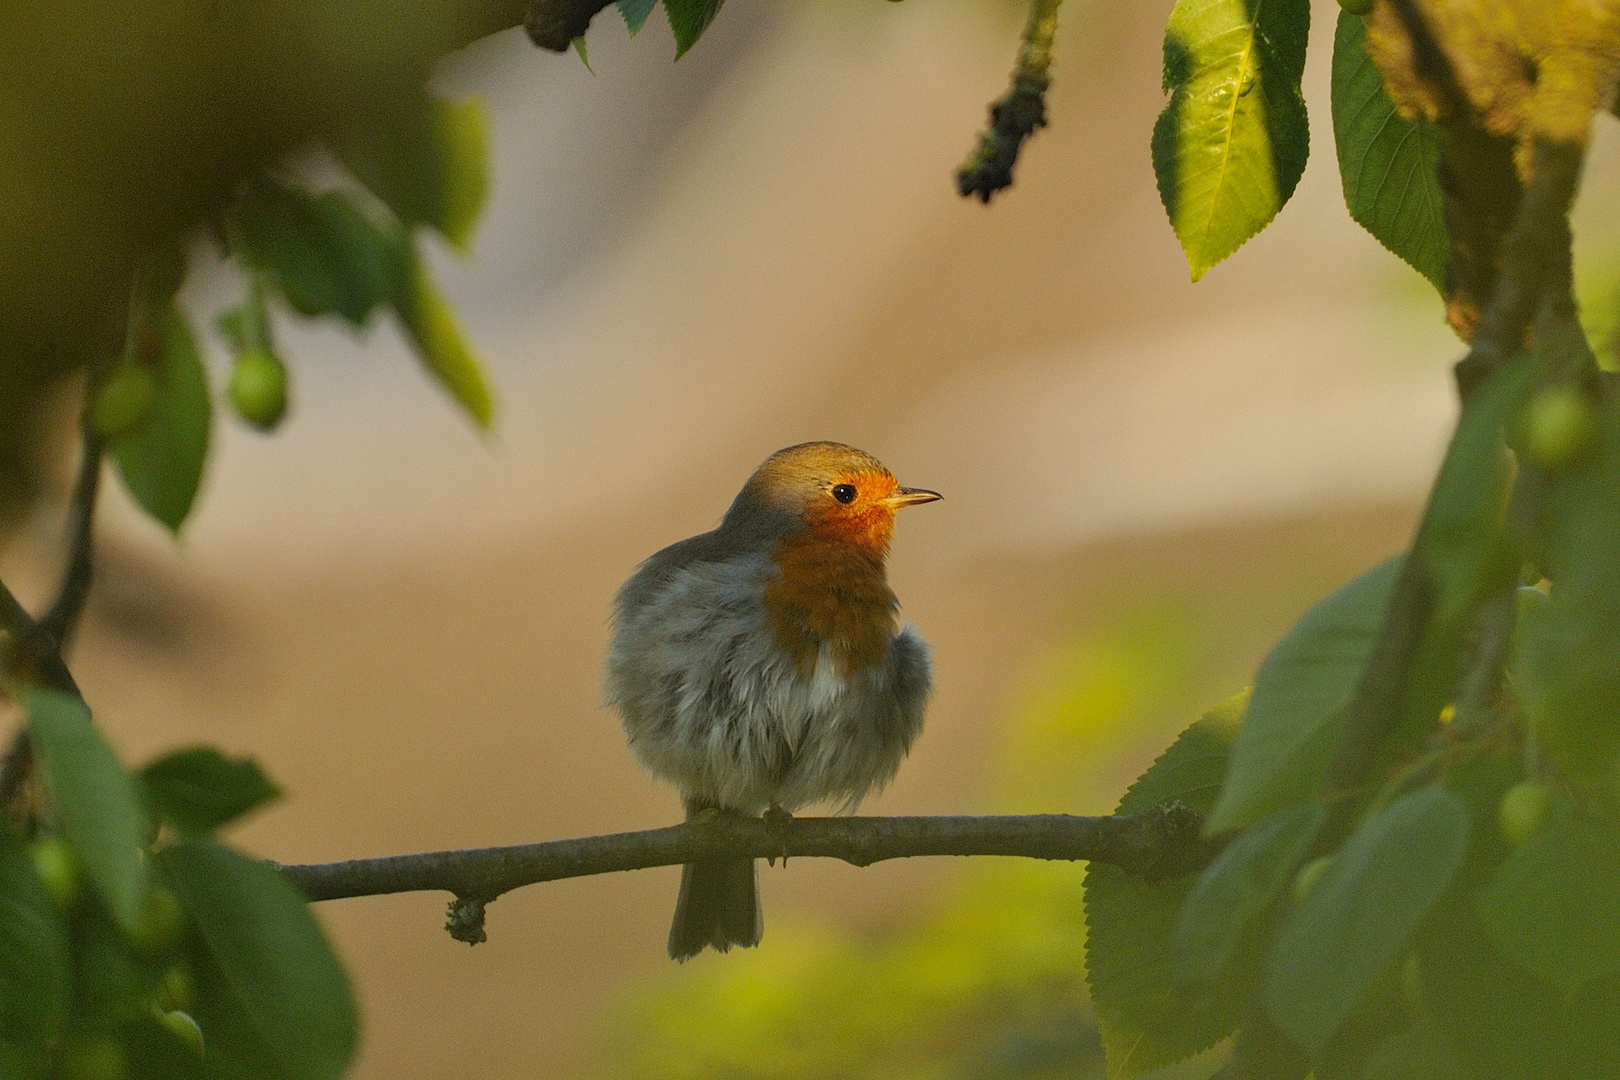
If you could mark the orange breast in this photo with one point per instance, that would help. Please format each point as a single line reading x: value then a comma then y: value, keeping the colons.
x: 830, y: 591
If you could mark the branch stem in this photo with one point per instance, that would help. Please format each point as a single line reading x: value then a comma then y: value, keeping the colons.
x: 1155, y: 843
x: 1536, y: 245
x: 59, y: 620
x: 1018, y: 113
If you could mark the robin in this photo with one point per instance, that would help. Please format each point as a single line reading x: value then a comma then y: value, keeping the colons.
x: 760, y: 667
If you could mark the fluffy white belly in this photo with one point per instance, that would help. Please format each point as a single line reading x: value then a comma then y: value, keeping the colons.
x: 711, y: 702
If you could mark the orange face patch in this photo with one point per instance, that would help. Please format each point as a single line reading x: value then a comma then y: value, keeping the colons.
x: 833, y: 589
x: 866, y: 520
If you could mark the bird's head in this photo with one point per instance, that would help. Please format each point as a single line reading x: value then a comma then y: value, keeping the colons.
x: 833, y: 490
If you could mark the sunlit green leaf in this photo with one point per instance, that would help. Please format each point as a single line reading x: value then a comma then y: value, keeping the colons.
x: 34, y: 963
x: 319, y: 251
x: 1240, y: 884
x: 431, y: 324
x: 1145, y: 1021
x: 1554, y: 904
x: 1355, y: 923
x: 273, y: 1000
x: 94, y: 798
x: 1296, y: 709
x: 635, y: 13
x: 689, y: 18
x: 1388, y: 164
x: 1231, y: 144
x: 198, y: 788
x: 161, y: 459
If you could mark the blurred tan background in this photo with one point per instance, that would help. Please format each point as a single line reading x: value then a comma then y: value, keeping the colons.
x: 685, y: 267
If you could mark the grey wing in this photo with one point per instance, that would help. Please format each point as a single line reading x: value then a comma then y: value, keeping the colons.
x: 910, y: 673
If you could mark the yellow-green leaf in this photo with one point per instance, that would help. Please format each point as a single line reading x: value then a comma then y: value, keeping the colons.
x: 431, y: 324
x: 1231, y: 144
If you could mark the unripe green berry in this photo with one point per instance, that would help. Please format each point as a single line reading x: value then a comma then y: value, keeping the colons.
x: 1309, y: 875
x: 1356, y: 7
x: 95, y: 1058
x: 258, y: 388
x: 175, y: 990
x: 1560, y: 424
x: 1523, y: 811
x: 121, y: 402
x: 57, y: 865
x: 185, y: 1029
x: 162, y: 921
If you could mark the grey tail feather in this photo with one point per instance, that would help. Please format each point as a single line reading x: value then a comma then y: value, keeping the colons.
x: 718, y: 906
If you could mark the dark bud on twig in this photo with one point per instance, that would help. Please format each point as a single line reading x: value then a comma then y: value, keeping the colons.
x: 1013, y: 118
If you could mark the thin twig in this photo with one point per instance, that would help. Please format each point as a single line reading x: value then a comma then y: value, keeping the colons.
x: 1017, y: 114
x: 1155, y: 843
x: 61, y: 618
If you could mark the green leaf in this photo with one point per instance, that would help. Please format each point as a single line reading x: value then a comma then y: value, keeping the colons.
x: 1554, y: 903
x: 1502, y: 1022
x: 635, y: 13
x: 1357, y: 921
x: 1231, y: 144
x: 1296, y: 709
x: 428, y: 159
x: 319, y: 251
x: 1418, y: 1052
x: 155, y: 1053
x: 1462, y: 540
x: 109, y: 980
x: 1145, y: 1021
x: 94, y: 799
x: 273, y: 1000
x: 689, y: 18
x: 1240, y: 884
x: 1567, y: 664
x: 34, y: 963
x: 198, y: 789
x: 1388, y: 164
x: 161, y: 460
x: 431, y: 324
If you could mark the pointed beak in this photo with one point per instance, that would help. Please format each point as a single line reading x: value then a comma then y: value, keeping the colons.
x: 910, y: 497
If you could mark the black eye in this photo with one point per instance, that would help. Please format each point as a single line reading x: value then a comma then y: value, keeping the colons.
x: 845, y: 493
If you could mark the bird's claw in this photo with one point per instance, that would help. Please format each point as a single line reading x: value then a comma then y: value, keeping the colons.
x: 777, y: 820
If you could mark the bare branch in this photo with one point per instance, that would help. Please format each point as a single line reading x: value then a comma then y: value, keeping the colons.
x: 1156, y: 843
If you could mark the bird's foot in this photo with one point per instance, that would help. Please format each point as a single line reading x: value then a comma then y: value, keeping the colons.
x: 777, y: 820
